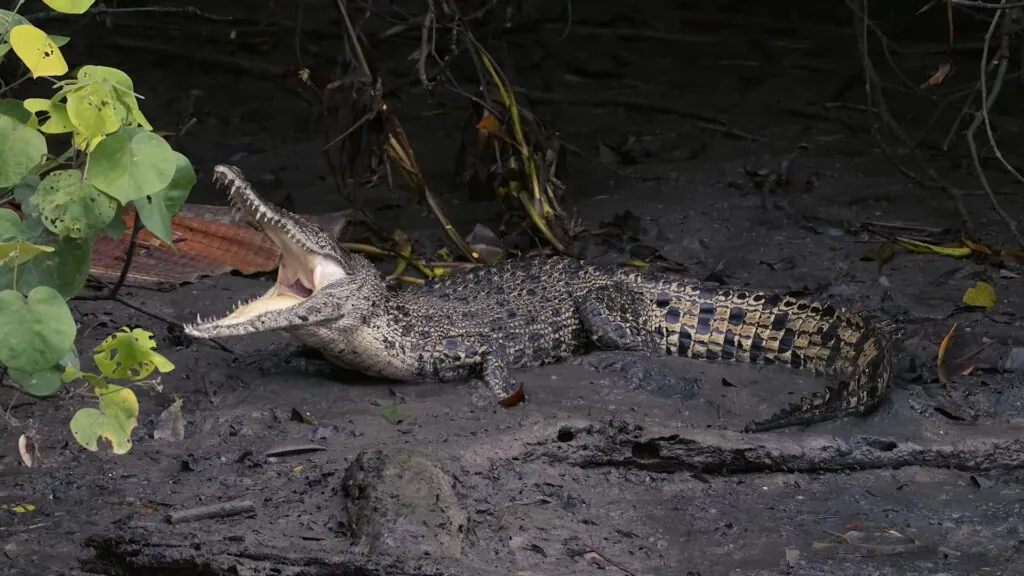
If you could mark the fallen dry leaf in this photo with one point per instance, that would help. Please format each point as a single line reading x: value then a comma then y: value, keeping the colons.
x: 883, y: 254
x: 170, y: 424
x: 940, y: 74
x: 952, y: 250
x: 976, y: 246
x: 28, y: 450
x: 940, y: 361
x: 981, y: 295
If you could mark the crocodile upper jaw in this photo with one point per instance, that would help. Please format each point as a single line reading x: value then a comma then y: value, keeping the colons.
x: 309, y: 258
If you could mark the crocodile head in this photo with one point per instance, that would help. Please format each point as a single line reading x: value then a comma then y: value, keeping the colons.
x: 317, y: 280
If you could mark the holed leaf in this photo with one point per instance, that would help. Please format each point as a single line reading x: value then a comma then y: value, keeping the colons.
x: 95, y: 110
x: 114, y: 420
x: 130, y: 354
x: 123, y: 89
x: 70, y: 206
x: 37, y: 51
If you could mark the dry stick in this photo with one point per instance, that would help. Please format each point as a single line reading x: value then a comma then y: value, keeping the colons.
x: 876, y: 100
x: 982, y: 116
x: 703, y: 119
x: 258, y: 69
x: 218, y: 510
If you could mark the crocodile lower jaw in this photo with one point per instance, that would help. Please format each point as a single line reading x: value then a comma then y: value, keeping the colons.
x: 299, y: 276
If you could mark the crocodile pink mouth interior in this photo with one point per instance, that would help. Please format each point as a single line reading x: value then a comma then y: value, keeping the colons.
x: 299, y: 275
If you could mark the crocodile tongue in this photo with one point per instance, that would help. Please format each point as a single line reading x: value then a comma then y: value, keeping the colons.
x: 298, y: 275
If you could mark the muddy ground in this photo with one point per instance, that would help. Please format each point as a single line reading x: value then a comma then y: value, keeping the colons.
x: 618, y: 465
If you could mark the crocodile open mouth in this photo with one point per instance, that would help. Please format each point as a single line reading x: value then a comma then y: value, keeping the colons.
x: 306, y: 264
x: 299, y: 275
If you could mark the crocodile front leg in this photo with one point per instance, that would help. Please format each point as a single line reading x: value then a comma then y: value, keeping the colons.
x: 475, y: 357
x: 497, y: 377
x: 603, y: 315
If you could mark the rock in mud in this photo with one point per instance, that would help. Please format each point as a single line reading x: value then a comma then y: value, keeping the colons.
x: 402, y: 502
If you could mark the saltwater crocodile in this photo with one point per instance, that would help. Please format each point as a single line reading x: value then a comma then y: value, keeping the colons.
x: 532, y: 311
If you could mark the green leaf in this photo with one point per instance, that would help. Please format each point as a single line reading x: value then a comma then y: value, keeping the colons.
x: 130, y: 354
x: 393, y: 413
x: 14, y: 249
x: 65, y: 269
x: 21, y: 149
x: 156, y: 210
x: 131, y: 163
x: 10, y: 224
x: 41, y: 384
x: 69, y: 6
x: 70, y: 206
x: 115, y: 229
x: 24, y: 190
x: 58, y: 41
x: 36, y: 331
x: 122, y: 86
x: 35, y: 49
x: 115, y: 419
x: 18, y: 252
x: 15, y: 109
x: 9, y: 20
x: 95, y: 110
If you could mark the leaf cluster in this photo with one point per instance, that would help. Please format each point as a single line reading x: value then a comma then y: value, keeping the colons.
x: 112, y: 164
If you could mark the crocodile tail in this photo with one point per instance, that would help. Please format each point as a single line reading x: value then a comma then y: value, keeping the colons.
x: 714, y: 322
x: 863, y: 372
x: 789, y: 330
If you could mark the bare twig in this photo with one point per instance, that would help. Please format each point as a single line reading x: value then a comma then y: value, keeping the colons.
x: 353, y: 40
x: 876, y: 101
x: 982, y: 117
x: 397, y: 144
x: 129, y: 254
x: 142, y: 310
x: 427, y: 36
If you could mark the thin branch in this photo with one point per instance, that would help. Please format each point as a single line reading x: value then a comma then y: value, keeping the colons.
x: 982, y: 116
x: 106, y: 297
x: 427, y: 34
x: 988, y: 5
x: 129, y: 254
x: 100, y: 10
x: 876, y: 101
x: 354, y: 39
